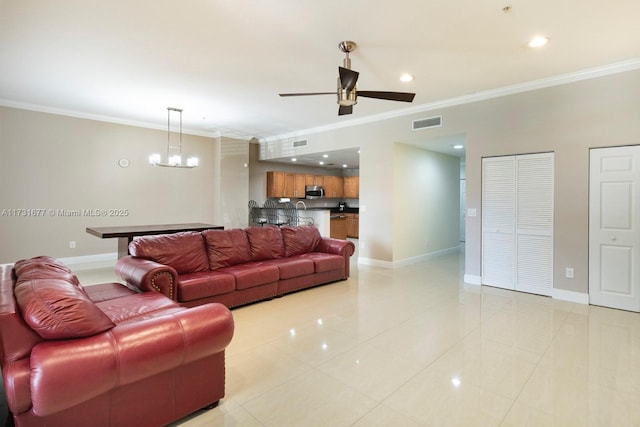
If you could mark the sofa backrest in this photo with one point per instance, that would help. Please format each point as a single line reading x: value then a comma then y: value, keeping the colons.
x: 300, y: 240
x: 41, y: 299
x: 192, y: 252
x: 265, y: 243
x: 42, y: 267
x: 185, y: 251
x: 57, y: 309
x: 53, y: 303
x: 227, y: 247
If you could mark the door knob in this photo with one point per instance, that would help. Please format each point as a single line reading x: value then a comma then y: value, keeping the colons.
x: 613, y: 237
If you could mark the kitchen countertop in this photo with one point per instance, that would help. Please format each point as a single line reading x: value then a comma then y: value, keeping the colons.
x: 345, y: 210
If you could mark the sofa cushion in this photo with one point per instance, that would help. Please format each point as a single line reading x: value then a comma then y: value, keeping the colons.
x: 185, y: 251
x: 42, y: 267
x: 194, y: 286
x: 325, y: 262
x: 57, y: 309
x: 137, y: 306
x: 252, y: 274
x: 265, y: 243
x: 227, y: 247
x: 289, y: 268
x: 107, y: 291
x: 300, y: 240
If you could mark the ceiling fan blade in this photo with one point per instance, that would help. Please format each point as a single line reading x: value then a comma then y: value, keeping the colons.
x: 345, y: 109
x: 348, y: 78
x: 390, y: 96
x: 307, y: 94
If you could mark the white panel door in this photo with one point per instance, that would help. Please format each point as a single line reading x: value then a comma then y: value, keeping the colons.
x: 498, y: 221
x: 614, y: 232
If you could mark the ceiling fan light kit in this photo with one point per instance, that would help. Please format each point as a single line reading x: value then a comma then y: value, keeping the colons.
x: 347, y: 93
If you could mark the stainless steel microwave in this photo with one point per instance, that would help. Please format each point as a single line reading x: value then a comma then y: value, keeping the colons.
x: 313, y: 192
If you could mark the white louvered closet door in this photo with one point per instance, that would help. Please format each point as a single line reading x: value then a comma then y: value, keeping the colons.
x: 498, y: 225
x: 528, y: 256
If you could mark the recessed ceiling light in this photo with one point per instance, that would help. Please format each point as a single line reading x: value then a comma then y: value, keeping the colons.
x: 321, y: 163
x: 406, y: 77
x: 294, y: 160
x: 538, y: 41
x: 344, y: 166
x: 325, y: 155
x: 458, y: 147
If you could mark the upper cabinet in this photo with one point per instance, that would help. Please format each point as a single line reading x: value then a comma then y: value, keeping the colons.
x: 351, y: 187
x: 287, y: 184
x: 333, y: 187
x: 314, y: 179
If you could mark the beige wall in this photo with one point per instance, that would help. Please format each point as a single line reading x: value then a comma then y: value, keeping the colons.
x: 232, y: 184
x: 567, y: 119
x: 62, y: 163
x: 426, y: 200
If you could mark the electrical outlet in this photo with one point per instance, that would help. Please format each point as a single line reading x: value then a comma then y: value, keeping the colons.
x: 568, y: 273
x: 72, y: 244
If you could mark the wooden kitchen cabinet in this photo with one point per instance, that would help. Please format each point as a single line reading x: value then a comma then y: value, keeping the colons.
x: 285, y: 184
x: 338, y: 228
x: 275, y: 184
x: 352, y: 225
x: 333, y: 187
x: 351, y: 187
x: 314, y: 179
x: 299, y: 182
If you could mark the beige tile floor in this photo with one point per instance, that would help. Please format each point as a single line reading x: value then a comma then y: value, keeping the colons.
x: 415, y: 346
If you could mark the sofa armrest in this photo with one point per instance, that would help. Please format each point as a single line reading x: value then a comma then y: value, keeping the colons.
x: 65, y: 373
x: 336, y: 246
x: 147, y: 275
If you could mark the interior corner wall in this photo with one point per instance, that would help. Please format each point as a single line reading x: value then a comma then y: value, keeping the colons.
x: 61, y: 175
x: 232, y: 183
x: 426, y: 201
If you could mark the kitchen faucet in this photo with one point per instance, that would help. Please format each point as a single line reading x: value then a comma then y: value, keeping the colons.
x: 303, y: 204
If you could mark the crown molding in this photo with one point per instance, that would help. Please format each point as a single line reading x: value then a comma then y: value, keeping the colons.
x: 97, y: 117
x: 590, y: 73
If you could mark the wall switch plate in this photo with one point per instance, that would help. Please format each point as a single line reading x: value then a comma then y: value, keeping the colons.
x: 72, y: 244
x: 568, y: 273
x: 472, y: 212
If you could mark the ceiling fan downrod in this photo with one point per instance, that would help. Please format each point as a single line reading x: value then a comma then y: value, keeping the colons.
x: 347, y: 46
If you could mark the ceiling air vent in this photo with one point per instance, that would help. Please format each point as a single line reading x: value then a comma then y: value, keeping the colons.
x: 301, y: 143
x: 430, y: 122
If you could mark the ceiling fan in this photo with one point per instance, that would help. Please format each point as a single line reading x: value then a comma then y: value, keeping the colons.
x: 347, y: 92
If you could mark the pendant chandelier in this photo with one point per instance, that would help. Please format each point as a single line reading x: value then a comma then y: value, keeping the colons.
x: 174, y: 152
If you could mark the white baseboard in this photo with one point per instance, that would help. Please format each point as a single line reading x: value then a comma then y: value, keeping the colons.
x: 473, y: 279
x: 86, y: 262
x: 374, y: 262
x: 559, y: 294
x: 407, y: 261
x: 570, y: 296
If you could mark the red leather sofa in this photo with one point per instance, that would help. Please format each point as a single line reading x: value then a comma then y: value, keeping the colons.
x: 104, y: 355
x: 234, y: 267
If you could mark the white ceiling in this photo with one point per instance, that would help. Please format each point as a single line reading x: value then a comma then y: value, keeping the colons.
x: 224, y: 62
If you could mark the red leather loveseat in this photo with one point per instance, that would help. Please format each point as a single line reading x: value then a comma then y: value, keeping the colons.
x: 104, y: 355
x: 236, y: 266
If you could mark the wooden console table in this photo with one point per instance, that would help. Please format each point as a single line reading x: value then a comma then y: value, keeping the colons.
x: 125, y: 234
